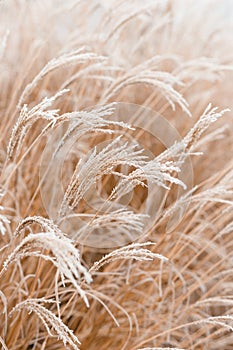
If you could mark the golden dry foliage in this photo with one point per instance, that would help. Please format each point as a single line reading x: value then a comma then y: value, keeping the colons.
x: 126, y: 241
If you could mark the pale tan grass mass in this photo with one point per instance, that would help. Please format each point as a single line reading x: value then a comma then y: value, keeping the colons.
x: 64, y: 68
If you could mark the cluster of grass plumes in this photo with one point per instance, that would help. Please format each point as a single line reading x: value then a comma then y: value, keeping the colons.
x: 165, y: 279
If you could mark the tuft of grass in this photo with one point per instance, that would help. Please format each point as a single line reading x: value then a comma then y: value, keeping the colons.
x: 111, y: 238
